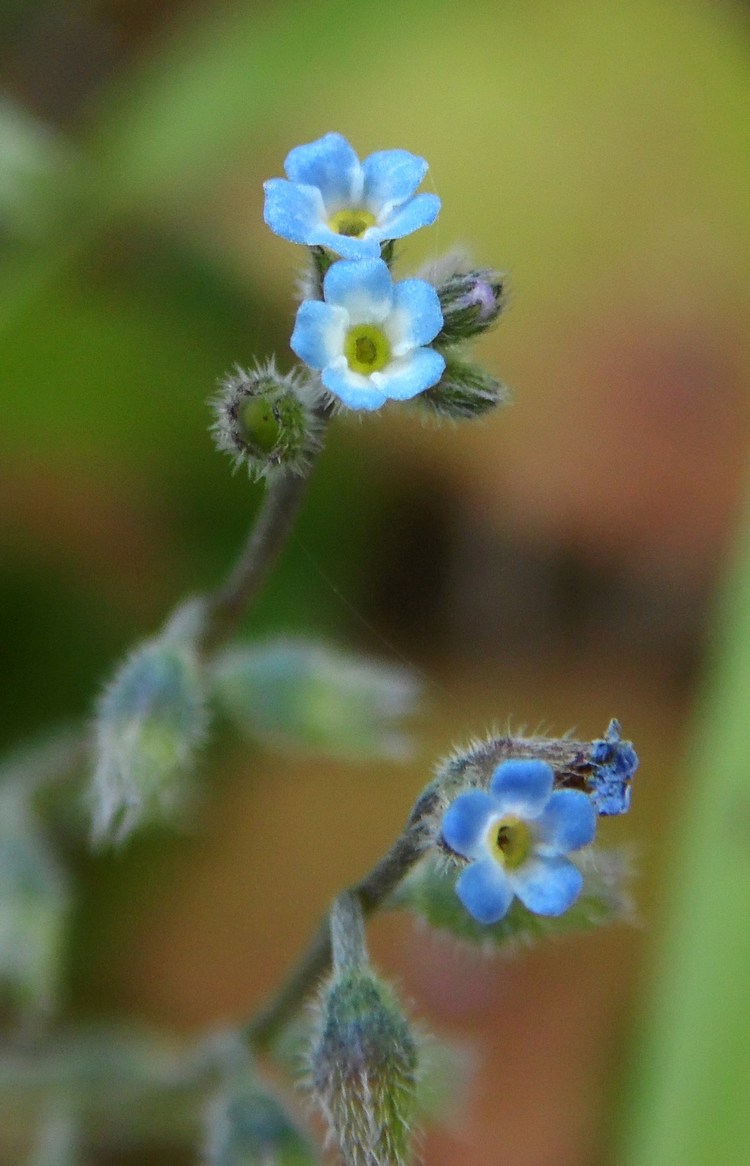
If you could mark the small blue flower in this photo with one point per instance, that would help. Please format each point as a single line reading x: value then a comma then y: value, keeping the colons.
x: 368, y: 335
x: 614, y: 761
x: 332, y: 200
x: 515, y: 836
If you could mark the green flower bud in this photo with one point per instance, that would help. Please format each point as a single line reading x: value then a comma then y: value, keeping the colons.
x: 267, y: 420
x: 363, y: 1059
x: 308, y: 696
x: 464, y: 391
x: 471, y: 298
x: 150, y: 721
x: 247, y: 1125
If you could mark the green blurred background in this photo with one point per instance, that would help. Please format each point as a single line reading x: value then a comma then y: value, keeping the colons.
x: 554, y: 566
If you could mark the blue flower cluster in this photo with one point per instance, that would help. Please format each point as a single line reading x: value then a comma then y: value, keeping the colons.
x: 516, y: 836
x: 368, y: 337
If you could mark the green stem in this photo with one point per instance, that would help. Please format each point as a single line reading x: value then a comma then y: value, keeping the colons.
x: 371, y: 892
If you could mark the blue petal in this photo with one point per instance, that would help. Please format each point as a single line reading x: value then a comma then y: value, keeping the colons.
x: 294, y: 212
x: 485, y: 891
x: 522, y: 786
x: 466, y: 820
x: 391, y: 176
x: 318, y: 336
x: 347, y: 246
x: 354, y: 390
x: 417, y: 314
x: 363, y: 288
x: 567, y: 822
x: 547, y: 886
x: 403, y: 379
x: 330, y: 164
x: 420, y: 211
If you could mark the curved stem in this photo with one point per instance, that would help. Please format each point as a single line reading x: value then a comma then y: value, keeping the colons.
x: 371, y: 891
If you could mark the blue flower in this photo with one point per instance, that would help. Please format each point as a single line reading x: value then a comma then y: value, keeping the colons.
x: 614, y: 763
x: 332, y: 200
x: 515, y: 836
x: 368, y: 336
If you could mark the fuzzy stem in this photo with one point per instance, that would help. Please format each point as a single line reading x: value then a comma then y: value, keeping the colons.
x: 268, y: 535
x: 371, y: 892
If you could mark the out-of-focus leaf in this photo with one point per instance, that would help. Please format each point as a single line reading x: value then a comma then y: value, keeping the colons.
x: 690, y: 1093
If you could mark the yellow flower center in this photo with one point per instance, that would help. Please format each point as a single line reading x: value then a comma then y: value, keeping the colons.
x: 509, y: 840
x: 366, y: 349
x: 352, y: 222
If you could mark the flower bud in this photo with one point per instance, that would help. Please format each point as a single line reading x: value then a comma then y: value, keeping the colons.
x: 305, y: 695
x: 150, y: 720
x: 464, y: 391
x: 471, y: 299
x: 364, y: 1056
x: 267, y: 420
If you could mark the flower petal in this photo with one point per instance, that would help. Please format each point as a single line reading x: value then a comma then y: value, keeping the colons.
x: 416, y: 317
x: 363, y: 288
x: 347, y: 246
x: 330, y: 164
x: 522, y: 786
x: 294, y: 212
x: 485, y: 891
x: 403, y: 379
x: 391, y: 176
x: 466, y: 820
x: 567, y: 822
x: 547, y: 886
x: 352, y: 388
x: 318, y: 336
x: 420, y: 211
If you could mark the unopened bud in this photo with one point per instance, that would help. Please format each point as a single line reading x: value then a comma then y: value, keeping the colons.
x: 267, y: 420
x: 464, y: 391
x: 306, y: 695
x: 149, y: 723
x: 471, y: 298
x: 364, y: 1057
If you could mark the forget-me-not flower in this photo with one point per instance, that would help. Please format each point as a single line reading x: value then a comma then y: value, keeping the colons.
x: 516, y: 836
x: 369, y: 335
x: 614, y: 763
x: 330, y: 199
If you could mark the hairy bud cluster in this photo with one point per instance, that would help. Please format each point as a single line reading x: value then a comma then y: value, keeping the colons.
x: 150, y: 720
x: 464, y: 391
x: 364, y: 1055
x: 267, y: 420
x: 602, y: 768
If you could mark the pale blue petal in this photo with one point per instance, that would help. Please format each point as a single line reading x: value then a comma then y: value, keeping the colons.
x: 391, y: 176
x: 485, y: 891
x: 354, y: 390
x: 567, y: 822
x: 466, y: 821
x: 318, y: 336
x: 417, y: 317
x: 330, y: 164
x: 403, y: 379
x: 420, y: 211
x: 364, y: 289
x: 547, y: 886
x: 522, y: 786
x: 347, y: 246
x: 294, y: 212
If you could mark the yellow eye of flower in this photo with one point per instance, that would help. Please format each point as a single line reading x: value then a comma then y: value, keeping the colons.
x: 351, y: 222
x: 366, y: 349
x: 509, y: 840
